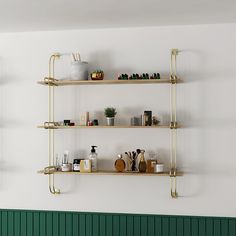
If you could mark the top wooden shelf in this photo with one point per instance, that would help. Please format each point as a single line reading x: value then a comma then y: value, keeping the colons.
x: 100, y: 82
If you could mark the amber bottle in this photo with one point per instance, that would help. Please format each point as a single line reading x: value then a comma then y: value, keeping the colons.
x: 142, y: 163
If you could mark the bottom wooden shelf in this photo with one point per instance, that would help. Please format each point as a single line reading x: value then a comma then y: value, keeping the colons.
x: 110, y: 172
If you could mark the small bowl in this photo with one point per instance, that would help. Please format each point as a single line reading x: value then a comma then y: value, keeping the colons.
x: 97, y: 75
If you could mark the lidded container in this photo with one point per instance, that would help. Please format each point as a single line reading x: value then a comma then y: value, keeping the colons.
x: 76, y: 165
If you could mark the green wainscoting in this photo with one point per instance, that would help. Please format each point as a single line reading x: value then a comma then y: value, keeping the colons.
x: 52, y: 223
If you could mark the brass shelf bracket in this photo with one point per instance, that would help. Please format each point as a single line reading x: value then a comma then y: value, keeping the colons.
x: 50, y: 81
x: 51, y: 123
x: 49, y: 170
x: 173, y: 123
x: 173, y: 183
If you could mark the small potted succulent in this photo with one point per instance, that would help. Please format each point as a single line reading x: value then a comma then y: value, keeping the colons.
x: 110, y: 113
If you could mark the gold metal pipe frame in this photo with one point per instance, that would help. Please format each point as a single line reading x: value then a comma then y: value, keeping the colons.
x: 173, y: 124
x: 51, y: 153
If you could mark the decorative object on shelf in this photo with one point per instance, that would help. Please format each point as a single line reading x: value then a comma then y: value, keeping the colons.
x: 76, y: 165
x: 123, y: 77
x: 151, y: 165
x: 66, y: 166
x: 93, y: 157
x: 90, y: 123
x: 66, y: 122
x: 142, y: 163
x: 110, y: 113
x: 144, y: 76
x: 147, y: 118
x: 134, y: 77
x: 85, y: 166
x: 84, y: 118
x: 128, y: 161
x: 58, y: 164
x: 97, y: 75
x: 138, y: 152
x: 79, y: 69
x: 136, y: 121
x: 155, y: 76
x: 95, y: 122
x: 120, y: 164
x: 159, y: 168
x: 132, y: 160
x: 155, y: 120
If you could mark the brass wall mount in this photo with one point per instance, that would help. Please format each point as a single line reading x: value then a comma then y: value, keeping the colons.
x: 173, y: 123
x: 51, y: 151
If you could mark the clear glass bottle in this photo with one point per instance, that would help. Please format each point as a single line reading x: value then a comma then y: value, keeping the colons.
x: 93, y: 157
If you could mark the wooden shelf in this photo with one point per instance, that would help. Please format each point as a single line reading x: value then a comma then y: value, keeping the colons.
x: 105, y: 127
x: 103, y: 82
x: 105, y: 172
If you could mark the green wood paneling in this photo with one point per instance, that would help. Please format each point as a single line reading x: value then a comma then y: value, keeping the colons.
x: 102, y: 225
x: 52, y: 223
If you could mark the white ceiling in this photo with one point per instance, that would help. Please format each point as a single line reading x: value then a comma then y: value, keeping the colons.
x: 32, y: 15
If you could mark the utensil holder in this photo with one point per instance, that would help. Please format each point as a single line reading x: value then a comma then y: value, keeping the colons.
x: 79, y: 70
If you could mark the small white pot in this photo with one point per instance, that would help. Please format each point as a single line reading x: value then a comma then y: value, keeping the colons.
x: 66, y: 167
x: 159, y: 168
x: 79, y: 70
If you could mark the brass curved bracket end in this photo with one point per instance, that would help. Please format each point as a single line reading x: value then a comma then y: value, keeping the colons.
x: 174, y: 51
x: 174, y: 194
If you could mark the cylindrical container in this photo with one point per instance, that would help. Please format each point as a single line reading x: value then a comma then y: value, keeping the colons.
x: 79, y: 70
x: 159, y: 168
x: 95, y: 122
x: 110, y: 121
x: 151, y: 165
x: 66, y: 167
x: 135, y: 121
x: 93, y: 158
x: 76, y: 165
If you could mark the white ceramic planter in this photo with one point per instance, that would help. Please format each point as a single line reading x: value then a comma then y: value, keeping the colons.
x: 79, y: 70
x: 159, y: 168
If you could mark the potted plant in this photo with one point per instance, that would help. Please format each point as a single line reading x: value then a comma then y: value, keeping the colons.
x: 110, y: 113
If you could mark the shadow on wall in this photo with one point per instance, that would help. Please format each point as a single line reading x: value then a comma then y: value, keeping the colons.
x: 191, y: 164
x: 208, y: 80
x: 104, y: 60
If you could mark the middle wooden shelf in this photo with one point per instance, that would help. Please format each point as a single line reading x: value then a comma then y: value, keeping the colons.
x: 102, y: 127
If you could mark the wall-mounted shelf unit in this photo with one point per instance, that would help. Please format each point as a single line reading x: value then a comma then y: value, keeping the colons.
x: 104, y: 127
x: 51, y: 125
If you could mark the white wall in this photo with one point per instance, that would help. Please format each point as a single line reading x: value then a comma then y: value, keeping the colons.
x: 206, y: 144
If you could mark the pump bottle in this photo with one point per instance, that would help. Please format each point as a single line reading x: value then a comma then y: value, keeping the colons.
x: 93, y: 157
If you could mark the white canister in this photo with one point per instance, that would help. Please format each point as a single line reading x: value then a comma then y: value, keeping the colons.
x: 79, y: 70
x: 159, y: 168
x: 66, y: 167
